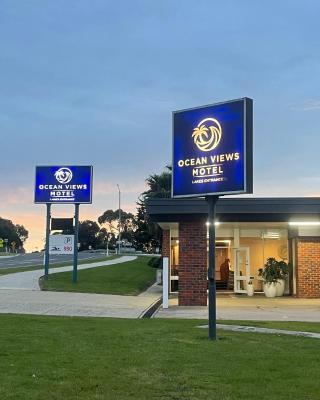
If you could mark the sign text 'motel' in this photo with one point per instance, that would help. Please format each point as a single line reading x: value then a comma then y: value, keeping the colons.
x: 212, y: 149
x: 63, y: 184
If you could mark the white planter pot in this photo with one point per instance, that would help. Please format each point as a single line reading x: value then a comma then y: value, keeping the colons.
x: 250, y: 290
x: 270, y: 289
x: 280, y: 287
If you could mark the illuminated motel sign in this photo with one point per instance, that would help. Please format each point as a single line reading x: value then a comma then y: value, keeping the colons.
x: 63, y: 184
x: 212, y: 156
x: 212, y: 149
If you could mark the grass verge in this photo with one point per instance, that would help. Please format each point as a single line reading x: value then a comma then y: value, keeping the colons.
x: 129, y: 278
x: 56, y: 358
x: 13, y: 270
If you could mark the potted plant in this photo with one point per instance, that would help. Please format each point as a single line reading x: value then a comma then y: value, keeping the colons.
x: 283, y: 271
x: 270, y: 276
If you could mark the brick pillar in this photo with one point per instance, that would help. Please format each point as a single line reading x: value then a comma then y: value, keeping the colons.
x: 308, y: 268
x: 192, y: 264
x: 166, y: 243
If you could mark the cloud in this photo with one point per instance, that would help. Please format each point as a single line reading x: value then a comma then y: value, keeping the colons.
x: 103, y: 188
x: 307, y: 105
x: 12, y: 195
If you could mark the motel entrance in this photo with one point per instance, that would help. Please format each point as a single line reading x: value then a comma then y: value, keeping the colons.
x: 248, y: 232
x: 241, y: 250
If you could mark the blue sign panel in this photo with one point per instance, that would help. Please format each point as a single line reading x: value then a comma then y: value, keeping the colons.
x: 63, y: 184
x: 212, y: 150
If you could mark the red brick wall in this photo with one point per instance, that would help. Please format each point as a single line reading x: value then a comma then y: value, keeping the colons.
x: 308, y: 268
x: 166, y: 243
x: 192, y: 264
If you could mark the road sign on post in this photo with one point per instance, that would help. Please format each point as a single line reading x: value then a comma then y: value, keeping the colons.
x: 63, y: 185
x: 61, y: 244
x: 212, y: 157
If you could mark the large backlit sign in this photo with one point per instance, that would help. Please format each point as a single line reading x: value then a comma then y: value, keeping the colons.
x: 63, y: 184
x: 212, y: 150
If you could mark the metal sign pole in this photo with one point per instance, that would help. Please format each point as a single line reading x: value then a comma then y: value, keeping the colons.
x: 75, y: 246
x: 212, y: 201
x: 46, y: 254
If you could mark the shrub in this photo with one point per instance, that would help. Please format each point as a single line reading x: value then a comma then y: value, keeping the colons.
x: 155, y: 262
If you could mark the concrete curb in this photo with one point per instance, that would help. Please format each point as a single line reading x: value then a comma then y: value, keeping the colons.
x: 150, y: 311
x: 13, y: 256
x: 255, y: 329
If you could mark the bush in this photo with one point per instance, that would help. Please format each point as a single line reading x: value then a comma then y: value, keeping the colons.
x: 155, y: 262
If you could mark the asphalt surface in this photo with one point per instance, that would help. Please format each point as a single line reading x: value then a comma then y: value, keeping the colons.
x: 27, y: 260
x: 29, y: 280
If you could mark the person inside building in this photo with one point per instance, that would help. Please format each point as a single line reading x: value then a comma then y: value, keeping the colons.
x: 224, y: 270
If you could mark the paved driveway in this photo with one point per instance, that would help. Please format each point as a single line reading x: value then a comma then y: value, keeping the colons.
x: 29, y: 280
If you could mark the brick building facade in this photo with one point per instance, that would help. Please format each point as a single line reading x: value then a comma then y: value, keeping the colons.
x: 287, y: 229
x: 308, y: 267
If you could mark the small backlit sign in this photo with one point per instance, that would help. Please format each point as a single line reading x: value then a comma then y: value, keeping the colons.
x: 63, y: 184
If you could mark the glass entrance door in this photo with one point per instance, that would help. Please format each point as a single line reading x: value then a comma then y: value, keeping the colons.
x: 241, y: 269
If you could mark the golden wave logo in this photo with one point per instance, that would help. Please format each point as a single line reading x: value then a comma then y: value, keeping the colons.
x: 207, y: 134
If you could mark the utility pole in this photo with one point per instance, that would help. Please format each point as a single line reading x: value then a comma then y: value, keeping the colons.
x: 119, y: 237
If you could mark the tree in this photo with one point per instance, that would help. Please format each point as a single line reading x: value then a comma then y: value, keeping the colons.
x: 159, y: 185
x: 22, y: 233
x: 14, y: 233
x: 111, y: 219
x: 107, y: 238
x: 89, y: 235
x: 148, y: 235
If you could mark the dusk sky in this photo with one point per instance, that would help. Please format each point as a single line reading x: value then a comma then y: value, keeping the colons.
x: 94, y: 83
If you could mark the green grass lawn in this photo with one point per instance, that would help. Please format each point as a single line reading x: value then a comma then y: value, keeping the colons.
x: 13, y: 270
x: 129, y: 278
x: 56, y: 358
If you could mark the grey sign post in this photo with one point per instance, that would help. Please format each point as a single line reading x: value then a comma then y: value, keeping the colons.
x: 212, y: 201
x: 75, y: 247
x: 46, y: 255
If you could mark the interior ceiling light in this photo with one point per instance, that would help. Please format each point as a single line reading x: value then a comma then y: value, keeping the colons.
x: 270, y: 235
x: 304, y: 223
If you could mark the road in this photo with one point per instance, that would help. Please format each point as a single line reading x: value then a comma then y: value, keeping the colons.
x: 27, y: 260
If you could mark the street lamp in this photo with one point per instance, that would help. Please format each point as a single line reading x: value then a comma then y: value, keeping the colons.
x: 119, y: 237
x: 107, y: 244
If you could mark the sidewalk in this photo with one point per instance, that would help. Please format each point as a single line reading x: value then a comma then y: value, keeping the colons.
x: 20, y: 294
x: 29, y: 280
x: 75, y: 304
x: 250, y: 308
